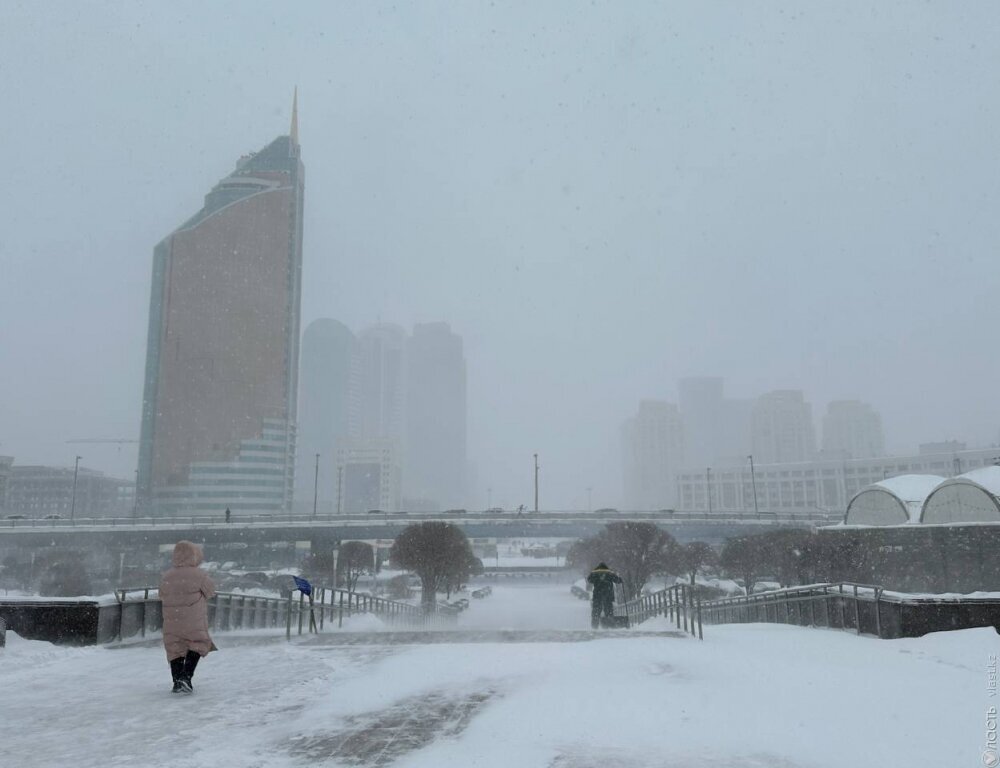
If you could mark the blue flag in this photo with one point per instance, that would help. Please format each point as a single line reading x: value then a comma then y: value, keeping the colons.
x: 303, y: 586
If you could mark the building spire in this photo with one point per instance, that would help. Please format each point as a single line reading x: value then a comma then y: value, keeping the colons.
x: 294, y: 132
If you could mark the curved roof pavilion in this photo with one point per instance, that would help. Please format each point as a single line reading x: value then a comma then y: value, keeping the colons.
x: 973, y: 497
x: 894, y: 501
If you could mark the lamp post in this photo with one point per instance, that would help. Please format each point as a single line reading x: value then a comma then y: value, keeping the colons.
x: 753, y: 481
x: 708, y: 487
x: 72, y: 505
x: 536, y: 482
x: 340, y: 479
x: 315, y: 486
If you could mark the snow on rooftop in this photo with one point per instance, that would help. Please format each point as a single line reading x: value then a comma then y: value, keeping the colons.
x: 986, y: 477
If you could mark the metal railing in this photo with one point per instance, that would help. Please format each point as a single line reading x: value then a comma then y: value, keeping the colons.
x: 140, y: 611
x: 213, y: 521
x: 677, y: 603
x: 844, y: 605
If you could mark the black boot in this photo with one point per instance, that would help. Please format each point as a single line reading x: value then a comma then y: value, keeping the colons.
x: 190, y: 661
x: 177, y: 673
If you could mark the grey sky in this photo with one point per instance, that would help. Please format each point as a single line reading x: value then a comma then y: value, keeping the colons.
x: 600, y: 198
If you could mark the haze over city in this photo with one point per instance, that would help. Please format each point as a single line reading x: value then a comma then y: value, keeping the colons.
x: 600, y: 200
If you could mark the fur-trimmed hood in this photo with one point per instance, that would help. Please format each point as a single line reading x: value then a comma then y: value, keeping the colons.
x: 187, y: 554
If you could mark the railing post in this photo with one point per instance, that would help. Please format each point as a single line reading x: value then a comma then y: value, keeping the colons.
x: 288, y: 616
x: 322, y: 606
x: 878, y: 617
x: 683, y: 597
x: 701, y: 636
x: 857, y: 611
x: 340, y: 612
x: 843, y: 609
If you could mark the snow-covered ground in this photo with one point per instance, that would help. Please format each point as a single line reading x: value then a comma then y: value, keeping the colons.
x: 749, y: 696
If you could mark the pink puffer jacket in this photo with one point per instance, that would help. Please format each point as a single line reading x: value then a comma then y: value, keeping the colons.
x: 184, y: 593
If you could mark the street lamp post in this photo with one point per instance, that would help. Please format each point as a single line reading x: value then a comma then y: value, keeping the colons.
x: 340, y: 480
x: 708, y: 487
x: 316, y: 486
x: 72, y: 504
x: 753, y: 481
x: 536, y: 482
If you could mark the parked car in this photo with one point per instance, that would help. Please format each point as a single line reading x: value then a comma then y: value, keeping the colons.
x: 53, y: 517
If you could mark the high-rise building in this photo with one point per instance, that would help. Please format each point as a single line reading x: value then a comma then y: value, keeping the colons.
x: 716, y: 428
x: 781, y: 428
x: 435, y: 461
x: 653, y: 454
x: 328, y: 408
x: 702, y: 408
x: 852, y: 430
x: 218, y: 424
x: 369, y: 477
x: 382, y: 383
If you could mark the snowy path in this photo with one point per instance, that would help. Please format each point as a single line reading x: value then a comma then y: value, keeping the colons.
x: 750, y: 696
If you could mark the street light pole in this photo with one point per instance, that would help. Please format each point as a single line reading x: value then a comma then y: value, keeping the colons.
x: 753, y: 480
x: 316, y: 486
x: 536, y: 482
x: 340, y: 495
x: 76, y: 473
x: 708, y: 487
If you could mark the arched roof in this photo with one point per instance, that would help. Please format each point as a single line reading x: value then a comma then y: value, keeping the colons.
x: 893, y: 501
x: 973, y: 497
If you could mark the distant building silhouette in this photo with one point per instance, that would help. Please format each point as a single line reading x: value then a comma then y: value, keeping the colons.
x: 382, y: 383
x: 223, y: 350
x: 435, y: 461
x: 653, y: 454
x: 328, y: 407
x: 716, y: 428
x: 852, y: 430
x: 781, y: 428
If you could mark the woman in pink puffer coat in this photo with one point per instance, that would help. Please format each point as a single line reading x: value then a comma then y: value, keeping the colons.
x: 184, y: 593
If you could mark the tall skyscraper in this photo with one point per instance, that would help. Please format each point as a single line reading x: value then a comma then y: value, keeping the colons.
x: 782, y: 428
x: 435, y: 459
x: 328, y: 408
x: 716, y: 428
x: 702, y: 408
x: 653, y: 454
x: 223, y: 349
x: 382, y: 382
x: 852, y: 430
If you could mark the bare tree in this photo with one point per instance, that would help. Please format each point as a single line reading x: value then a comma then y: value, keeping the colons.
x: 439, y: 553
x: 695, y: 556
x: 355, y: 560
x: 64, y: 573
x: 745, y: 557
x: 635, y: 550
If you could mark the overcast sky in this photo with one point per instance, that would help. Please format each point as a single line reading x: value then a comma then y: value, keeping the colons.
x: 599, y: 198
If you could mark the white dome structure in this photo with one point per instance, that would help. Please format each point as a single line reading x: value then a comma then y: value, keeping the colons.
x: 970, y: 498
x: 894, y: 501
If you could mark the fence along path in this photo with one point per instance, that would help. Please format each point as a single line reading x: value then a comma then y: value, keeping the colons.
x: 140, y: 611
x: 677, y: 603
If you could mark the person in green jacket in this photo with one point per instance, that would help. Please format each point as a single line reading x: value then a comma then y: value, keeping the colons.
x: 602, y: 580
